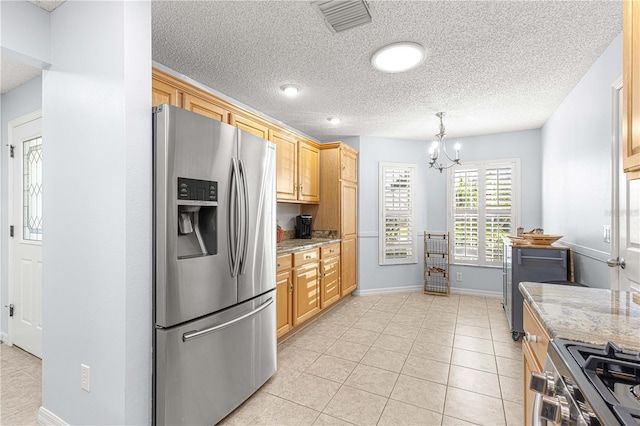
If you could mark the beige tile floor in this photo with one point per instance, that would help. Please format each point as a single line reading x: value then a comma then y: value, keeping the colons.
x: 20, y: 386
x: 398, y: 359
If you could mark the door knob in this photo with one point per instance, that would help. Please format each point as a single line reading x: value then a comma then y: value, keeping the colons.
x: 612, y: 263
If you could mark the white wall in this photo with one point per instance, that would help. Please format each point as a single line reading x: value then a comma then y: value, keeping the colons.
x: 20, y: 101
x: 286, y: 215
x: 432, y: 212
x: 576, y: 156
x: 24, y: 33
x: 97, y: 204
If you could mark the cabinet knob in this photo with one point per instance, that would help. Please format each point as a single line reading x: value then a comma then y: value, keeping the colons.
x: 291, y: 287
x: 530, y: 337
x: 331, y: 250
x: 278, y: 265
x: 343, y: 167
x: 308, y: 256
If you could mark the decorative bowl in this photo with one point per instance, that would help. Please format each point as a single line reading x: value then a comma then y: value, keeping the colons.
x: 541, y: 239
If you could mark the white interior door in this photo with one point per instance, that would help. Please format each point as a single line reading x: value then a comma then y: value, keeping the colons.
x: 626, y: 242
x: 25, y: 247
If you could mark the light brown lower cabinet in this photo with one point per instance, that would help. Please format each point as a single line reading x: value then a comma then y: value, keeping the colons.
x: 330, y: 282
x: 349, y: 266
x: 284, y: 294
x: 534, y: 350
x: 306, y: 294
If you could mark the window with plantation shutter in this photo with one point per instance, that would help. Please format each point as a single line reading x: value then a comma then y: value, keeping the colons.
x: 397, y: 234
x: 483, y: 208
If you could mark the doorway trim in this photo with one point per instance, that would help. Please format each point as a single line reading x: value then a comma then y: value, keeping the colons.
x: 616, y: 114
x: 16, y: 122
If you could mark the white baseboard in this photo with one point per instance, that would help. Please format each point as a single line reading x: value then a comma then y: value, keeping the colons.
x: 412, y: 288
x: 4, y: 338
x: 387, y: 290
x: 472, y: 292
x: 46, y: 417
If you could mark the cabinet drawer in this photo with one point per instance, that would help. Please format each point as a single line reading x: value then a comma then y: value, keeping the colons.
x: 534, y: 328
x: 329, y: 250
x: 283, y: 262
x: 305, y: 257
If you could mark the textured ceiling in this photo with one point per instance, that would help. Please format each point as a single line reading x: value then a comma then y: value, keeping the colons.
x: 13, y: 74
x: 493, y: 66
x: 48, y: 5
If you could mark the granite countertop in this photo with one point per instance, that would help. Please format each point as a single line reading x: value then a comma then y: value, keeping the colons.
x: 584, y: 314
x: 289, y: 246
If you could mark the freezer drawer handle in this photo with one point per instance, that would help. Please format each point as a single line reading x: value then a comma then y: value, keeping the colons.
x: 194, y: 334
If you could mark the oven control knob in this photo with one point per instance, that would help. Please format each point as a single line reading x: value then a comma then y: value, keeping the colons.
x: 542, y: 383
x: 555, y: 409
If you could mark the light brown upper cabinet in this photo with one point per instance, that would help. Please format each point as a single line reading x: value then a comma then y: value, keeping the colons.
x: 349, y: 165
x: 631, y: 89
x: 249, y: 125
x: 163, y: 93
x: 204, y: 107
x: 297, y: 169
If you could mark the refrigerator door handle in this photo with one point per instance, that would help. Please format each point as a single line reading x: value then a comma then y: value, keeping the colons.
x: 195, y: 334
x: 233, y: 211
x: 245, y: 218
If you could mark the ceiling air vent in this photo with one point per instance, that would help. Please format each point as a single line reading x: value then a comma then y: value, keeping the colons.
x: 341, y: 15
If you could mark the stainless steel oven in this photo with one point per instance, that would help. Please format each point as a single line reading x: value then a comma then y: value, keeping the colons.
x: 587, y: 384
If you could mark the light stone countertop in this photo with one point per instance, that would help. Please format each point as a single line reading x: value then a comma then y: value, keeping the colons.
x: 584, y: 314
x: 289, y: 246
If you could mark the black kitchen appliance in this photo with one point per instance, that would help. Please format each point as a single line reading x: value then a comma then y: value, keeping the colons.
x: 586, y: 384
x: 303, y: 226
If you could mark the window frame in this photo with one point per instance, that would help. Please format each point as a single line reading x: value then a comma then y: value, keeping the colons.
x: 382, y: 241
x: 516, y: 192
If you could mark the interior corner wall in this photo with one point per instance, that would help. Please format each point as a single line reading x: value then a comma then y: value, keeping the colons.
x: 97, y: 204
x: 24, y: 33
x: 15, y: 103
x: 431, y: 215
x: 576, y: 158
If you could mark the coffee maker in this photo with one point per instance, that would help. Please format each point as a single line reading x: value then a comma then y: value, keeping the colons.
x: 303, y: 226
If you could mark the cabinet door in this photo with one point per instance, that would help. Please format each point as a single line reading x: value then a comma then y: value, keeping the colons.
x: 348, y: 266
x: 308, y: 173
x: 249, y: 125
x: 631, y: 89
x: 348, y: 166
x: 163, y: 93
x: 330, y: 281
x: 529, y: 366
x: 306, y: 295
x: 348, y: 209
x: 284, y: 291
x: 205, y: 107
x: 286, y: 166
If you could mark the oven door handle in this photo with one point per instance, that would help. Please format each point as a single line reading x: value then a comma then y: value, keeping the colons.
x: 535, y: 412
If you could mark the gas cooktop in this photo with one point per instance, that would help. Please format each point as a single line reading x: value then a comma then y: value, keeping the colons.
x: 605, y: 379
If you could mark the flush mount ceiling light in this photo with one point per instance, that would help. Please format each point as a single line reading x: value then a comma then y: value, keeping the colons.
x: 398, y: 57
x: 290, y: 90
x: 334, y: 120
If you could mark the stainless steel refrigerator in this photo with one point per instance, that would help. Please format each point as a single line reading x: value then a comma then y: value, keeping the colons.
x: 214, y: 266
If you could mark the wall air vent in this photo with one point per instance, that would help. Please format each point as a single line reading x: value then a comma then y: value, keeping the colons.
x: 342, y: 15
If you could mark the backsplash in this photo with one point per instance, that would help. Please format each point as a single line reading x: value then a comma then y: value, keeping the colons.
x: 291, y: 234
x: 286, y: 216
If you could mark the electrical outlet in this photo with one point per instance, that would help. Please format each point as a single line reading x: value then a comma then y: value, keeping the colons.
x: 85, y: 377
x: 458, y: 276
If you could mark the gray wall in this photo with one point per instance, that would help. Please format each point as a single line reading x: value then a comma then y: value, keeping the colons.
x: 432, y: 211
x: 20, y: 101
x: 97, y: 209
x: 576, y: 157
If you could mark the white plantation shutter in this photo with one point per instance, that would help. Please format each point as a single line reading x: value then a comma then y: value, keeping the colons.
x: 397, y: 235
x: 482, y: 202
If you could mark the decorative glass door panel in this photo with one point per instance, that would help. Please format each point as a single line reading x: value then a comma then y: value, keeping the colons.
x: 32, y: 189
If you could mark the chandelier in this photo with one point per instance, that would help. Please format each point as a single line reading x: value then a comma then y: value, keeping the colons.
x: 438, y: 145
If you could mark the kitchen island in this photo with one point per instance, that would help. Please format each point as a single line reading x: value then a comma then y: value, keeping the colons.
x: 578, y: 314
x: 589, y: 315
